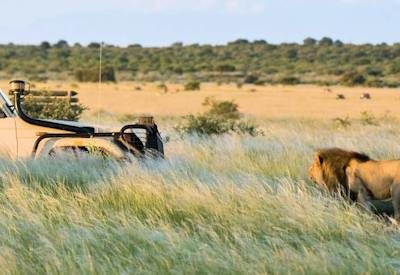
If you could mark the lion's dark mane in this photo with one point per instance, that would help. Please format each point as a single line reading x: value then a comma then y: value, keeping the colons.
x: 334, y: 163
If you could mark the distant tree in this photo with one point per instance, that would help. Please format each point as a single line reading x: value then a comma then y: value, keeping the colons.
x: 222, y: 68
x: 289, y: 80
x: 239, y: 42
x: 94, y: 45
x: 309, y: 42
x: 45, y: 45
x: 177, y: 69
x: 135, y: 46
x: 250, y: 79
x: 326, y: 41
x: 260, y: 42
x: 292, y: 53
x: 108, y: 74
x: 177, y: 45
x: 395, y: 68
x: 92, y: 75
x: 338, y: 43
x: 378, y: 64
x: 353, y: 78
x: 61, y: 44
x: 374, y: 71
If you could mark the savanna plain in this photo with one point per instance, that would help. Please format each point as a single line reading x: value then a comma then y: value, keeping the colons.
x: 228, y: 204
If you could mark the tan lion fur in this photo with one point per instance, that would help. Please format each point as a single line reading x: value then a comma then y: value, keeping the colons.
x: 328, y: 168
x: 377, y: 180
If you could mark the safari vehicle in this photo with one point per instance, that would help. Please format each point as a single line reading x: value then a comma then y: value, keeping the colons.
x: 23, y: 136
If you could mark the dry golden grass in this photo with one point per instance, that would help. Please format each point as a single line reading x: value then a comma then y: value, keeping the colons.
x: 259, y: 101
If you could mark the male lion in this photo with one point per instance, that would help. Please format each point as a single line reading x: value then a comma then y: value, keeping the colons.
x: 377, y: 180
x: 329, y: 169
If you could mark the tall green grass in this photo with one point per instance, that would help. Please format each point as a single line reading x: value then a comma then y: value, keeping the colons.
x: 224, y: 205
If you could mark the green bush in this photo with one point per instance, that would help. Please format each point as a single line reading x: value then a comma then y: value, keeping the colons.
x: 289, y: 80
x: 374, y: 71
x: 309, y: 41
x: 223, y: 68
x: 368, y: 118
x: 192, y: 86
x: 326, y: 41
x: 376, y: 83
x: 353, y: 78
x: 222, y: 109
x: 52, y: 108
x: 222, y: 118
x: 204, y: 125
x: 92, y: 75
x: 250, y: 79
x: 342, y: 122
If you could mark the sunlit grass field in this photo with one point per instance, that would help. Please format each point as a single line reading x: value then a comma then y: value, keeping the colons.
x: 289, y: 102
x: 223, y: 205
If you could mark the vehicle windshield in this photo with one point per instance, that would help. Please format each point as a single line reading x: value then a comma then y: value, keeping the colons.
x: 6, y: 104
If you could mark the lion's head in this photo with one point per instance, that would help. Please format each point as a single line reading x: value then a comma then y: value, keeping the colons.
x: 329, y: 168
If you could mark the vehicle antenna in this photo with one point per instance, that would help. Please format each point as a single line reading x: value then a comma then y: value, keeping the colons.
x: 100, y: 80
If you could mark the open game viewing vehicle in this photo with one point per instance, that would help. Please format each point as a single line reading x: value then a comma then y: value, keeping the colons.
x: 24, y: 136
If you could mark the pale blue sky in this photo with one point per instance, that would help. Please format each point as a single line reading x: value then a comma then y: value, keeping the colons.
x: 162, y: 22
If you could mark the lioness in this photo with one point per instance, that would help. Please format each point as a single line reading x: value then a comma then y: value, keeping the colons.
x: 378, y: 180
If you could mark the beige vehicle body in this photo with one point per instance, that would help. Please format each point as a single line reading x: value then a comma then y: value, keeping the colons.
x: 23, y: 137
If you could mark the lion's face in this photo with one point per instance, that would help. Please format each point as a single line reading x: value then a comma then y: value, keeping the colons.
x: 315, y: 173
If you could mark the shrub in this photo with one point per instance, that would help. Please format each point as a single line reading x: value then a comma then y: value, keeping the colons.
x: 289, y: 80
x: 52, y: 108
x: 204, y: 125
x: 374, y: 71
x: 213, y: 125
x: 92, y: 75
x: 326, y: 41
x: 222, y: 118
x: 250, y: 79
x: 353, y: 78
x: 45, y: 45
x: 368, y: 118
x: 223, y: 68
x: 246, y: 127
x: 259, y: 82
x: 375, y: 82
x: 342, y: 122
x: 223, y: 109
x: 309, y: 41
x: 192, y: 86
x: 163, y: 87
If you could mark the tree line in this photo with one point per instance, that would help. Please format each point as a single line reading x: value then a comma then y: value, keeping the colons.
x: 325, y: 62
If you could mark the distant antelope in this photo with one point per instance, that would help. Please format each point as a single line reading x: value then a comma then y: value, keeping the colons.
x: 365, y: 96
x: 328, y: 90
